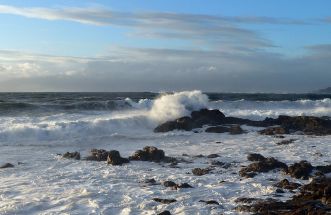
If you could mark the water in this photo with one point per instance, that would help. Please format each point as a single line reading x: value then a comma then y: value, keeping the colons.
x: 35, y: 127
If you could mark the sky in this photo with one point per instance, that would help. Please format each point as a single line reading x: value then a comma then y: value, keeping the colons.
x: 155, y: 45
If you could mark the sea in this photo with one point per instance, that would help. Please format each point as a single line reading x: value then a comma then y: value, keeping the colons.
x: 36, y: 128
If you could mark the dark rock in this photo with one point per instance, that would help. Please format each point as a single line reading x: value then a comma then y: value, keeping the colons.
x: 200, y: 172
x: 220, y: 164
x: 274, y: 131
x: 285, y: 184
x: 165, y: 213
x: 217, y: 129
x: 324, y: 169
x: 210, y: 202
x: 6, y: 165
x: 165, y: 201
x: 213, y: 156
x: 149, y: 153
x: 71, y: 155
x: 300, y: 170
x: 262, y: 166
x: 114, y: 158
x: 150, y: 181
x: 169, y: 184
x: 184, y: 185
x: 279, y: 191
x: 313, y: 199
x: 98, y: 155
x: 286, y: 142
x: 255, y: 157
x: 236, y: 129
x: 207, y: 117
x: 245, y: 200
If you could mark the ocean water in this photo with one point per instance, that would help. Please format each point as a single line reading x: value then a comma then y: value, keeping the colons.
x: 36, y: 127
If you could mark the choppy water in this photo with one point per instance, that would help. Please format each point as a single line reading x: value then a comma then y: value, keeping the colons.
x: 34, y: 127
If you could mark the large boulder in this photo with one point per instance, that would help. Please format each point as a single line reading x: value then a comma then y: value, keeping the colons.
x: 114, y: 158
x: 264, y: 165
x: 301, y: 170
x: 149, y: 153
x: 197, y: 120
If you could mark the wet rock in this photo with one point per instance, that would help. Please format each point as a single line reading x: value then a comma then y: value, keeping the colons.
x: 324, y: 169
x: 300, y: 170
x: 165, y: 213
x: 169, y: 184
x: 236, y: 129
x: 149, y: 153
x: 165, y: 201
x: 184, y: 185
x: 220, y: 164
x: 149, y: 181
x: 200, y: 171
x: 245, y: 200
x: 262, y: 166
x: 71, y: 155
x: 279, y: 191
x: 255, y: 157
x: 6, y: 165
x: 217, y: 129
x: 114, y: 158
x: 98, y: 155
x: 197, y: 120
x: 213, y: 156
x: 274, y: 131
x: 313, y: 199
x: 210, y: 202
x: 285, y: 184
x: 286, y: 142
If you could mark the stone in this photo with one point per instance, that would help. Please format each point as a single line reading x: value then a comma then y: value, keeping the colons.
x: 71, y: 155
x: 300, y: 170
x: 165, y: 201
x: 200, y: 171
x: 114, y: 158
x: 6, y: 165
x: 149, y: 153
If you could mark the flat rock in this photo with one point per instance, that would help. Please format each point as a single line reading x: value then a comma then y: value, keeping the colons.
x: 6, y: 165
x: 165, y: 201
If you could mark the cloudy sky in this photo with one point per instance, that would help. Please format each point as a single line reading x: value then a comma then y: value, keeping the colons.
x: 157, y: 45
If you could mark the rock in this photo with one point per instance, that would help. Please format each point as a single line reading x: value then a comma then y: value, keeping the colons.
x: 279, y: 190
x: 245, y: 200
x: 262, y: 166
x: 220, y: 164
x: 114, y: 158
x: 217, y: 129
x: 300, y: 170
x: 210, y: 202
x: 324, y: 169
x: 165, y: 213
x: 213, y: 156
x: 285, y: 184
x: 274, y: 131
x: 165, y: 201
x: 149, y: 153
x: 200, y: 172
x: 286, y: 142
x: 6, y: 165
x: 255, y: 157
x: 184, y: 185
x: 236, y: 129
x: 169, y: 184
x: 149, y: 181
x: 314, y: 198
x: 71, y: 155
x: 98, y: 155
x: 207, y: 117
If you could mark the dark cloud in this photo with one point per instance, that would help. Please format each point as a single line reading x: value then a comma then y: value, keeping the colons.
x: 157, y: 70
